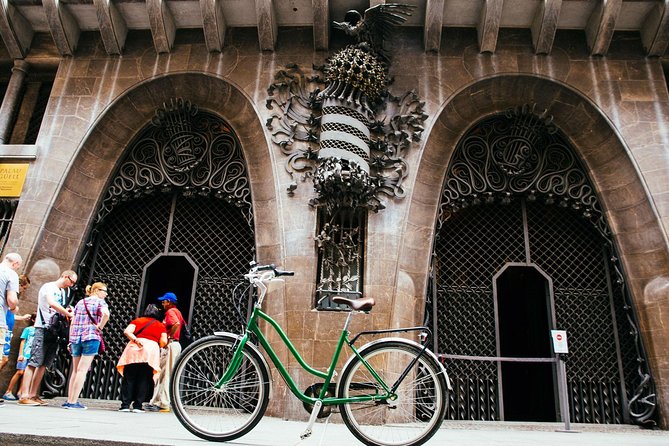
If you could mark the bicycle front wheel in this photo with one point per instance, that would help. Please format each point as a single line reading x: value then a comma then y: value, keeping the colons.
x: 218, y: 414
x: 419, y: 409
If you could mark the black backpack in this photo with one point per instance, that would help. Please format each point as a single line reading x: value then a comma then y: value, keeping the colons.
x: 185, y: 336
x: 58, y: 330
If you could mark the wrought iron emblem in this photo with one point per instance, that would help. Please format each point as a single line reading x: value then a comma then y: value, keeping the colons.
x: 184, y: 148
x: 340, y: 126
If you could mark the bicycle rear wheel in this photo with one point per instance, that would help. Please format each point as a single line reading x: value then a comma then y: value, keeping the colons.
x: 218, y: 414
x: 417, y: 413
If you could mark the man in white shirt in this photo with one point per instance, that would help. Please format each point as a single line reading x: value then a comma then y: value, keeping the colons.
x: 43, y: 353
x: 9, y: 282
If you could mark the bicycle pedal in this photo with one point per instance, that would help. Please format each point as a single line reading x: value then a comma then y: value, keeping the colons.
x: 305, y: 434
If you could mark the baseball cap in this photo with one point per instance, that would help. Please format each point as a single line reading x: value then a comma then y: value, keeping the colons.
x: 171, y: 297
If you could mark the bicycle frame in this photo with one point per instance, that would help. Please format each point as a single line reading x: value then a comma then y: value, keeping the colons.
x: 253, y: 328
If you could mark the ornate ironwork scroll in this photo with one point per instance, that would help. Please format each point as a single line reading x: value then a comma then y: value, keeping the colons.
x: 519, y: 153
x: 181, y: 187
x: 187, y: 150
x: 514, y: 189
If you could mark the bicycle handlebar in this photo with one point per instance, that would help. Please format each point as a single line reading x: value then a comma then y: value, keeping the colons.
x: 271, y: 267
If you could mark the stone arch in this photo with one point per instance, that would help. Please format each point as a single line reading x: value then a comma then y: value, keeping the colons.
x: 634, y: 221
x: 107, y: 139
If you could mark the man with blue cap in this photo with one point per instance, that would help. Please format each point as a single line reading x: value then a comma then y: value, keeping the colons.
x: 160, y: 402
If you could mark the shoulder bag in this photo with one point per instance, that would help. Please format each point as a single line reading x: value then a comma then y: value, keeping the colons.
x: 103, y: 348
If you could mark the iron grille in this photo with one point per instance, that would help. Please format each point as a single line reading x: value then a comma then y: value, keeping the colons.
x: 181, y: 188
x: 7, y: 211
x: 340, y: 255
x: 515, y: 193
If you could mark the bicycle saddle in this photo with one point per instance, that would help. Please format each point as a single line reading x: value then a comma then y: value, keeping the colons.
x: 363, y: 304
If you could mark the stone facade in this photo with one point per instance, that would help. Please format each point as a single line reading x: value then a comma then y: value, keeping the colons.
x: 613, y: 109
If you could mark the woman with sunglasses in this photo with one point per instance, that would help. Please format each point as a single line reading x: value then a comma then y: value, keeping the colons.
x: 90, y: 316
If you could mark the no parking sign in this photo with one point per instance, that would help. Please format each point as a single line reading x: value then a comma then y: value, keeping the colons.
x: 559, y: 341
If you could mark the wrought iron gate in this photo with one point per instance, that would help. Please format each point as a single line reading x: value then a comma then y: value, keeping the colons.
x: 515, y: 192
x: 181, y: 188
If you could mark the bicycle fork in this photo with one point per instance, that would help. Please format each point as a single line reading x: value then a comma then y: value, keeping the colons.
x: 235, y: 362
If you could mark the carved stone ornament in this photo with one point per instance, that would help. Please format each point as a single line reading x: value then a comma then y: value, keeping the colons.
x: 339, y: 125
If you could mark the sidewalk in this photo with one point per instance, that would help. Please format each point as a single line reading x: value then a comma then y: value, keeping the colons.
x: 102, y: 425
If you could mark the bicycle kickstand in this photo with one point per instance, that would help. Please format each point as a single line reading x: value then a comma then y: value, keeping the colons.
x: 312, y: 419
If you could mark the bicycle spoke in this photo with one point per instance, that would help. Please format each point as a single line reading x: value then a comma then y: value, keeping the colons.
x: 221, y: 413
x: 412, y: 415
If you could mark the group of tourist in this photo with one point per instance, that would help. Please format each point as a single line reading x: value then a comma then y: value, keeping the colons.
x: 145, y: 364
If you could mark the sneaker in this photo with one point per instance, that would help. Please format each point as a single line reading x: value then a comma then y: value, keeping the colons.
x: 165, y: 409
x: 137, y: 410
x: 124, y: 409
x: 76, y: 405
x: 9, y: 396
x: 65, y: 405
x: 28, y: 402
x: 151, y: 408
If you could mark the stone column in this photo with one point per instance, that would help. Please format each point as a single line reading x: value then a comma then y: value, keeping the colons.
x: 12, y: 100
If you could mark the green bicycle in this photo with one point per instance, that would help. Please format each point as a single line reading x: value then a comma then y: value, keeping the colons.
x: 392, y: 391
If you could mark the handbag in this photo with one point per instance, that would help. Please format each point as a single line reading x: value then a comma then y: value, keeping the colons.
x: 103, y: 347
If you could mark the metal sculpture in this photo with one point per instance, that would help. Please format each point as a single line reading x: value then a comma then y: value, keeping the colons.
x: 340, y: 126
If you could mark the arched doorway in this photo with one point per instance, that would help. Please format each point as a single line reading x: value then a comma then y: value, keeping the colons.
x: 516, y: 193
x: 172, y: 272
x: 177, y: 214
x: 524, y: 308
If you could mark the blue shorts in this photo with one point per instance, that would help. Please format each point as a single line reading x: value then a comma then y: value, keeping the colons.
x: 21, y: 365
x: 86, y: 348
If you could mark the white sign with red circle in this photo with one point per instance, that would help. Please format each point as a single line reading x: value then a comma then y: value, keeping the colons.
x: 559, y: 341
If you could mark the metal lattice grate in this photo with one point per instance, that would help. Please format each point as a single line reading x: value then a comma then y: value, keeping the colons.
x: 486, y: 238
x: 220, y: 277
x: 340, y: 256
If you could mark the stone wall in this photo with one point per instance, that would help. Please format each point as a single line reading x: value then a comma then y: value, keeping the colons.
x: 614, y: 111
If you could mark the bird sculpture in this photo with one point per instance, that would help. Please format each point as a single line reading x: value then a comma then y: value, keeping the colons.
x: 376, y: 26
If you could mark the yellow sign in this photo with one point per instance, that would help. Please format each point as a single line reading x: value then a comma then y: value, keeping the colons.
x: 12, y: 177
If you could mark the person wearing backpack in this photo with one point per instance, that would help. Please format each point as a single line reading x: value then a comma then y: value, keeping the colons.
x: 51, y: 301
x: 160, y: 402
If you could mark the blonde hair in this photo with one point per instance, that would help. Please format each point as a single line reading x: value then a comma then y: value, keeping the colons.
x: 91, y: 289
